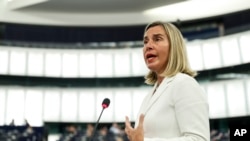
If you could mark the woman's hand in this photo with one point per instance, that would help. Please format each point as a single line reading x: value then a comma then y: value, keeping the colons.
x: 135, y: 134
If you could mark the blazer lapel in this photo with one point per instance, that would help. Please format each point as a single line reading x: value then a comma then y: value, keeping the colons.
x: 146, y: 100
x: 154, y: 96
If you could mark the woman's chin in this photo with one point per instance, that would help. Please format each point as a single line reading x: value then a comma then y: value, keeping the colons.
x: 152, y: 67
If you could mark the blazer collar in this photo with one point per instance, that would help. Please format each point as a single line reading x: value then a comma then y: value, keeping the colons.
x: 154, y: 96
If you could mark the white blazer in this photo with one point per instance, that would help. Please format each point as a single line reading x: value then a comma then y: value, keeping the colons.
x: 177, y: 111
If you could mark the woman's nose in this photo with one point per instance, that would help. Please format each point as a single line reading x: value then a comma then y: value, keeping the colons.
x: 148, y: 46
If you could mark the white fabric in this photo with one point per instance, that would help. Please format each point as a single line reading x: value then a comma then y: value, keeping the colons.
x: 177, y: 111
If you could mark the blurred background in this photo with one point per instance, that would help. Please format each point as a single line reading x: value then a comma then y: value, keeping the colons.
x: 59, y: 59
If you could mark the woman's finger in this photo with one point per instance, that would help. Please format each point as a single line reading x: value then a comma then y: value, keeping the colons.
x: 126, y: 130
x: 127, y: 123
x: 141, y: 120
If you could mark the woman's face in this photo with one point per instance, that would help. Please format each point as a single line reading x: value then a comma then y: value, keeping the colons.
x: 156, y: 49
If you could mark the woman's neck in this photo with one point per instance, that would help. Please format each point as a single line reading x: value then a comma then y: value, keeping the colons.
x: 159, y: 80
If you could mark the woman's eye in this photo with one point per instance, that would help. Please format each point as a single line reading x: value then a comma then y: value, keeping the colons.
x: 157, y: 39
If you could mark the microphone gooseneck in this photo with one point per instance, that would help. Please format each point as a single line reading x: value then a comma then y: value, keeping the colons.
x: 105, y: 104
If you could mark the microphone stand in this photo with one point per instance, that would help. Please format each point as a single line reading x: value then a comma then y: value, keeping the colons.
x: 94, y: 132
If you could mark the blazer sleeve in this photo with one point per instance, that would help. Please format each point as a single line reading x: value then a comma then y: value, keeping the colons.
x: 192, y: 112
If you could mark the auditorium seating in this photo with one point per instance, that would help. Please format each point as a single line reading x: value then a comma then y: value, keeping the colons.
x: 22, y: 133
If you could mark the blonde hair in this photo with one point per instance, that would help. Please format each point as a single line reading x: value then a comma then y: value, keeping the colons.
x: 178, y: 60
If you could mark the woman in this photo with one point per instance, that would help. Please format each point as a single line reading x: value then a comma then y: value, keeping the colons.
x: 176, y: 109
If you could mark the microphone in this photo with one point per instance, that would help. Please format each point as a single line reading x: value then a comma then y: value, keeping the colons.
x: 105, y: 104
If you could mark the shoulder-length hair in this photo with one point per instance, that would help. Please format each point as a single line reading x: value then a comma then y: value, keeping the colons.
x: 178, y: 60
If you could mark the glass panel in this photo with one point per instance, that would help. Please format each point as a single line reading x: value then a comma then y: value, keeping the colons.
x: 35, y: 64
x: 236, y: 98
x: 15, y: 106
x: 229, y: 47
x: 87, y: 106
x: 122, y: 104
x: 69, y: 106
x: 53, y: 65
x: 17, y: 63
x: 212, y: 56
x: 104, y: 64
x: 52, y: 105
x: 248, y: 94
x: 70, y: 65
x: 34, y: 107
x: 216, y: 99
x: 4, y: 61
x: 87, y: 65
x: 2, y: 106
x: 195, y: 57
x: 138, y: 65
x: 122, y: 63
x: 245, y: 48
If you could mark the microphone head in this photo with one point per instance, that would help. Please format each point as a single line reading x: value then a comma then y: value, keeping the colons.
x: 105, y: 103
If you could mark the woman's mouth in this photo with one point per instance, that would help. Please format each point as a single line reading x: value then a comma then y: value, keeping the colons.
x: 150, y: 57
